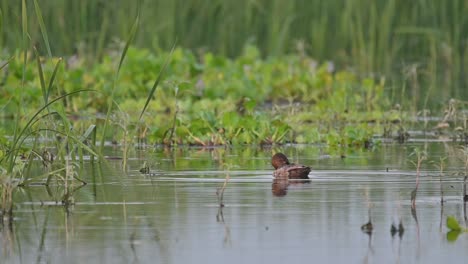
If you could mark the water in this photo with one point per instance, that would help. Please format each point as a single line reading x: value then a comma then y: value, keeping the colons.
x: 173, y: 215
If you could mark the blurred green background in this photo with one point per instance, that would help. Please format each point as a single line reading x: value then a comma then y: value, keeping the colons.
x: 420, y: 46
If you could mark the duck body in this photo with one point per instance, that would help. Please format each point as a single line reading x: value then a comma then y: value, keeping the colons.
x: 286, y: 170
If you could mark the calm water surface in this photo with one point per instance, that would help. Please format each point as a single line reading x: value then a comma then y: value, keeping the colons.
x: 172, y: 215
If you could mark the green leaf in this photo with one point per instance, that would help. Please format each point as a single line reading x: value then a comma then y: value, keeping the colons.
x: 52, y: 79
x: 41, y: 75
x: 6, y: 62
x: 133, y: 31
x: 42, y: 27
x: 452, y: 223
x: 158, y: 79
x: 230, y: 119
x: 453, y: 235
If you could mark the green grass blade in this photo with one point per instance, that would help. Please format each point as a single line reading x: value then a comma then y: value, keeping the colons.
x: 88, y: 132
x: 41, y: 75
x: 155, y: 85
x: 52, y: 78
x: 6, y: 62
x: 103, y: 32
x: 122, y: 58
x: 24, y: 23
x: 17, y: 140
x: 32, y: 119
x: 42, y: 27
x: 129, y: 41
x: 1, y: 21
x: 81, y: 141
x: 27, y: 181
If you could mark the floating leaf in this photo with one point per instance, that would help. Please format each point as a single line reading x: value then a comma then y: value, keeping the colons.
x: 452, y: 224
x: 453, y: 235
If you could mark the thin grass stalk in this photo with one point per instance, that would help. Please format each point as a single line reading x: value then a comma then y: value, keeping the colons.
x: 372, y: 42
x: 460, y: 22
x: 432, y: 70
x: 72, y: 137
x: 52, y: 78
x: 220, y: 191
x: 67, y: 174
x: 93, y: 140
x: 385, y: 36
x: 49, y: 174
x: 6, y: 62
x: 1, y: 26
x: 24, y: 20
x: 100, y: 44
x: 116, y: 77
x: 43, y: 237
x: 42, y: 26
x: 91, y: 131
x: 126, y: 148
x: 156, y: 83
x: 30, y: 158
x: 41, y: 76
x: 174, y: 120
x: 18, y: 140
x: 78, y: 142
x: 80, y: 155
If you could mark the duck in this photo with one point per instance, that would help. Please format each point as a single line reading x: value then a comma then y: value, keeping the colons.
x: 286, y: 170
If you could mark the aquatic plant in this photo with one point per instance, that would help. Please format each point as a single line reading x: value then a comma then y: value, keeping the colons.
x: 110, y: 100
x: 221, y: 101
x: 35, y: 128
x: 220, y: 191
x: 454, y: 228
x: 218, y: 100
x: 425, y: 116
x: 419, y: 44
x: 464, y: 157
x: 453, y: 225
x: 400, y: 229
x: 368, y: 227
x: 421, y: 155
x: 441, y: 167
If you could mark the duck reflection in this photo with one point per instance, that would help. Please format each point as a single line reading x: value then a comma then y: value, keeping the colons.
x: 280, y: 186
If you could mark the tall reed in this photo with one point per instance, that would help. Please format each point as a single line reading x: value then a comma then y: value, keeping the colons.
x: 110, y: 101
x: 375, y: 37
x: 48, y: 119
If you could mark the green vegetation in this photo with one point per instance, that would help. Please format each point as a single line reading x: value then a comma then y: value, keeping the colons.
x: 234, y: 73
x: 210, y: 100
x: 420, y: 156
x: 230, y: 91
x: 454, y: 228
x: 420, y: 46
x: 58, y: 104
x: 44, y: 127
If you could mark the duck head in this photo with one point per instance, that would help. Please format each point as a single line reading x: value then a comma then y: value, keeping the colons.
x: 279, y: 160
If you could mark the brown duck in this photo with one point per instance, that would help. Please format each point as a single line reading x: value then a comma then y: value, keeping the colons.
x: 286, y: 170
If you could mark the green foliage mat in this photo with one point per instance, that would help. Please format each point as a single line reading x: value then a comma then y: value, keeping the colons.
x: 205, y: 99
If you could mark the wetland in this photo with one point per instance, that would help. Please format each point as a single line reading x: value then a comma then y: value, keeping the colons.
x: 172, y: 214
x: 150, y: 138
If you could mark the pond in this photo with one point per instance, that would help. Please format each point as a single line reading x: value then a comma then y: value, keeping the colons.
x: 172, y: 214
